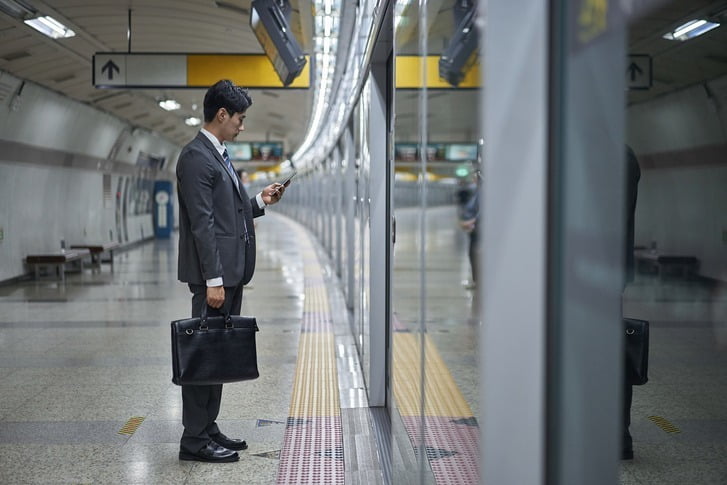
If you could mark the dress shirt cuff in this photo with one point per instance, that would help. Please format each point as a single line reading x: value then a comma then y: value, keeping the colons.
x: 214, y: 282
x: 259, y: 199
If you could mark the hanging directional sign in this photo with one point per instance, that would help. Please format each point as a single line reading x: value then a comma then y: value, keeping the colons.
x: 638, y: 71
x: 160, y: 70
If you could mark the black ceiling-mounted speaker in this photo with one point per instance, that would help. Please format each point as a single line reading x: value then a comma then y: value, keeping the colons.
x: 270, y: 25
x: 461, y: 52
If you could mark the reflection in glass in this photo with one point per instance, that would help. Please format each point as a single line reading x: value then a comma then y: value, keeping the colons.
x: 435, y: 328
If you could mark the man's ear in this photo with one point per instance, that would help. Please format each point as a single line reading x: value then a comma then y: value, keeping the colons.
x: 221, y: 113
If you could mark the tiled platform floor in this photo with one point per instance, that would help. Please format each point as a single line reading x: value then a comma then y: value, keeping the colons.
x: 79, y: 360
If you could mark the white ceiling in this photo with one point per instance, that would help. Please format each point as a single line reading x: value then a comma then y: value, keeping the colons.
x: 181, y: 26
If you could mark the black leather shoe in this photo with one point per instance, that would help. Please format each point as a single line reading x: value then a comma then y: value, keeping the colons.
x: 627, y: 454
x: 228, y: 443
x: 212, y: 453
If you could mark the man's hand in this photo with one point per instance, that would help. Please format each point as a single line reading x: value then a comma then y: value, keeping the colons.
x: 468, y: 226
x: 215, y: 296
x: 272, y: 193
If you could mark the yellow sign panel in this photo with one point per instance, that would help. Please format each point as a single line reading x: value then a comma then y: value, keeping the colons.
x: 248, y: 70
x: 593, y: 19
x: 409, y: 74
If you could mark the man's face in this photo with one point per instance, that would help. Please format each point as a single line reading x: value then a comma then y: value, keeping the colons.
x: 231, y: 124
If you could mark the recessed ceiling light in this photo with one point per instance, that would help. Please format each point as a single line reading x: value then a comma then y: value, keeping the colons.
x: 169, y: 104
x: 192, y: 121
x: 691, y: 29
x: 50, y: 27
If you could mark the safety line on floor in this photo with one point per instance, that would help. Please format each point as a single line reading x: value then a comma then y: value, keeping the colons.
x: 451, y: 433
x: 131, y: 425
x: 312, y: 451
x: 664, y: 424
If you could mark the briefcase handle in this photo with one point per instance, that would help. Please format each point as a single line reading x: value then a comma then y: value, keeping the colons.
x: 203, y: 318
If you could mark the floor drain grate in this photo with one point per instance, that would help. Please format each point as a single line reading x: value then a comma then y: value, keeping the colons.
x: 131, y: 425
x: 664, y: 424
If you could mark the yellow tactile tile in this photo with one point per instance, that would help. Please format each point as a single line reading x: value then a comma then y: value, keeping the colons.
x: 315, y: 389
x: 316, y: 300
x: 442, y: 395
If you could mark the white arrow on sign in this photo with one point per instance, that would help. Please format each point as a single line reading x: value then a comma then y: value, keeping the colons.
x: 638, y: 71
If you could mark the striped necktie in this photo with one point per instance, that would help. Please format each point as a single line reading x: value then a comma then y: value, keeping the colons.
x: 230, y: 168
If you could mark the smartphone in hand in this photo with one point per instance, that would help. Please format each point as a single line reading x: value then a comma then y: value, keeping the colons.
x: 286, y: 181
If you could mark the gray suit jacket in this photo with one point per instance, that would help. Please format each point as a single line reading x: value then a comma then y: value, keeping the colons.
x: 216, y: 230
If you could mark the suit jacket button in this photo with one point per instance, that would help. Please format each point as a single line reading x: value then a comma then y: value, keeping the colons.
x: 242, y: 237
x: 239, y: 210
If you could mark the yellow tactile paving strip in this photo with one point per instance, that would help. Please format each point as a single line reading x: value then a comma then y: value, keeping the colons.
x: 315, y: 390
x: 312, y: 451
x: 442, y: 395
x: 316, y: 298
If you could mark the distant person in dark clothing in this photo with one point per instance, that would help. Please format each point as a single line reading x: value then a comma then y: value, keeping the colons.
x: 469, y: 221
x: 633, y: 174
x: 464, y: 192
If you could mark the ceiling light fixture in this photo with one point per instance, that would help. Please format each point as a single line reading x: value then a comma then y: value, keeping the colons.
x: 192, y: 121
x: 169, y: 104
x: 691, y: 29
x: 50, y: 27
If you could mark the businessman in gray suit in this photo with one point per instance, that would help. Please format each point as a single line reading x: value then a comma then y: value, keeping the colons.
x: 216, y: 250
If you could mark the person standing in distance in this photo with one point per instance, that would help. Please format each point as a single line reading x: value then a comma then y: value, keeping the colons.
x: 216, y: 250
x: 633, y: 175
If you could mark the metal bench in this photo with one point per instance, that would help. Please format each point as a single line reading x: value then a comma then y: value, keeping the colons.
x: 97, y: 252
x: 58, y: 261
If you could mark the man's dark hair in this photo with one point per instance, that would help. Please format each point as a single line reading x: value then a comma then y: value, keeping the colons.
x: 225, y: 94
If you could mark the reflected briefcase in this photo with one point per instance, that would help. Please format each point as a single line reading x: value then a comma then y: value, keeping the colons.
x: 637, y: 351
x: 214, y: 350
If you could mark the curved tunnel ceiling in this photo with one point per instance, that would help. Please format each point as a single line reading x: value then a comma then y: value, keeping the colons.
x: 181, y: 26
x: 209, y: 26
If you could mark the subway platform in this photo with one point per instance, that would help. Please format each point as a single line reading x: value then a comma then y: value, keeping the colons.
x: 85, y: 380
x: 86, y: 394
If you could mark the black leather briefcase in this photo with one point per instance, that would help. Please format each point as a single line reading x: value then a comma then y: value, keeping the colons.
x: 214, y: 350
x: 637, y: 351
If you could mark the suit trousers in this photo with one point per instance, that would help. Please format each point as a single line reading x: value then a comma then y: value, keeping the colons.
x: 626, y: 440
x: 201, y: 404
